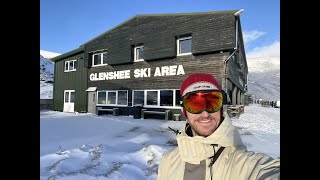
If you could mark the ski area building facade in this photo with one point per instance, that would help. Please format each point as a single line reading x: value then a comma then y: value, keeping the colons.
x: 143, y: 61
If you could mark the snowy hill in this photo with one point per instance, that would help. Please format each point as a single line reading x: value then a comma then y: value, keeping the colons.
x: 46, y: 69
x: 46, y: 74
x: 264, y: 77
x: 48, y: 55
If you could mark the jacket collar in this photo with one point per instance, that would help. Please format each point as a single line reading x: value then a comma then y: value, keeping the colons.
x: 198, y: 148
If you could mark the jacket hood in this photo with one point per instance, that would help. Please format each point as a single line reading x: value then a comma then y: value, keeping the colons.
x: 194, y: 149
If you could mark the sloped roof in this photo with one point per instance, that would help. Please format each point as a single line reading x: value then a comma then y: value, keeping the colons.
x: 168, y: 14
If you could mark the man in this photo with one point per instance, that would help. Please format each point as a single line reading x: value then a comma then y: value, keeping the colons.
x: 209, y: 147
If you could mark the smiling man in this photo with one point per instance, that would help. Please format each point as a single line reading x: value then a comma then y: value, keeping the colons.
x: 209, y: 147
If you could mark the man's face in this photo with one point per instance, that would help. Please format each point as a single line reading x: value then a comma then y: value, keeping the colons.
x: 204, y: 124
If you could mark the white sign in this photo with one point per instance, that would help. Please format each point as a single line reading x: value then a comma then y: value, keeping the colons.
x: 138, y: 73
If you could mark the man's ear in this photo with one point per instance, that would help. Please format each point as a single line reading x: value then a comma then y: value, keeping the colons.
x: 224, y: 97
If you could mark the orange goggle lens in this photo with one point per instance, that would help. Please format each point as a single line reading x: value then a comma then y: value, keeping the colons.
x: 196, y: 102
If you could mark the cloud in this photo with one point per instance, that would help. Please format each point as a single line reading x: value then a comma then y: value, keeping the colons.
x: 271, y: 50
x: 252, y: 35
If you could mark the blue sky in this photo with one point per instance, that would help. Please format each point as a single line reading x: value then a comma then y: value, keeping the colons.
x: 66, y: 24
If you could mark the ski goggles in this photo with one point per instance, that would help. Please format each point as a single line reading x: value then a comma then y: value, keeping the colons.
x: 209, y: 100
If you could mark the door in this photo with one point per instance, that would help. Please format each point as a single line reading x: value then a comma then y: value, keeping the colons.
x: 68, y: 105
x: 92, y: 102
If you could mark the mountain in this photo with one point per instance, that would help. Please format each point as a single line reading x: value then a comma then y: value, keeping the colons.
x: 48, y: 55
x: 46, y: 69
x: 46, y: 74
x: 264, y: 77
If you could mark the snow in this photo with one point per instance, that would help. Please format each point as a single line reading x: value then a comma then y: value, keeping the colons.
x: 46, y: 74
x: 76, y: 146
x: 46, y: 90
x: 48, y: 54
x: 264, y: 77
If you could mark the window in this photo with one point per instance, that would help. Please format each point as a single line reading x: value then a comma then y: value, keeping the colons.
x: 138, y: 53
x: 99, y: 59
x: 115, y: 98
x: 138, y: 98
x: 184, y: 46
x: 112, y: 96
x: 70, y: 65
x: 157, y: 98
x: 69, y: 96
x: 166, y: 98
x: 102, y: 96
x: 178, y: 97
x: 122, y: 98
x: 152, y: 98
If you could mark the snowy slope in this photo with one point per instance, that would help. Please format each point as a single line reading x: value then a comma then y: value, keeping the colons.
x: 264, y: 77
x: 46, y: 69
x: 48, y: 55
x: 46, y: 74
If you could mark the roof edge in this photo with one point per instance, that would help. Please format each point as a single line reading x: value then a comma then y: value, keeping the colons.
x: 69, y: 53
x: 168, y: 14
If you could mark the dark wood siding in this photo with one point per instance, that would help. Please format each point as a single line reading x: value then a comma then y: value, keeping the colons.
x: 211, y: 63
x: 75, y: 80
x: 210, y: 32
x: 233, y: 71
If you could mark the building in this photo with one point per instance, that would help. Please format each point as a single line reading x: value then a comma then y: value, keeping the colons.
x: 143, y: 61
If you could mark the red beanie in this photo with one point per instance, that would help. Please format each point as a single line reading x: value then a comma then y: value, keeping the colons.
x: 196, y: 82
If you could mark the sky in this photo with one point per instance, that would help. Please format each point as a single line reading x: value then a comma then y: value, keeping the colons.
x: 65, y: 25
x: 89, y: 147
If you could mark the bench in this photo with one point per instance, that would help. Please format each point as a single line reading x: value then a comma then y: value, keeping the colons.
x: 115, y: 111
x: 167, y: 113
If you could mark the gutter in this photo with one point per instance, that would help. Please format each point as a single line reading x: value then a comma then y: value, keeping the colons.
x: 224, y: 80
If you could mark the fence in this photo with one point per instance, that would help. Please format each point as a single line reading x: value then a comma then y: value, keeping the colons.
x: 46, y: 104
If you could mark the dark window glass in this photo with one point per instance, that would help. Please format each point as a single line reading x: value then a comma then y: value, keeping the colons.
x: 104, y: 56
x: 72, y: 97
x: 122, y: 98
x: 75, y: 65
x: 66, y: 97
x: 111, y: 97
x: 66, y: 67
x: 71, y: 65
x: 166, y: 98
x: 97, y: 59
x: 178, y: 98
x: 152, y: 98
x: 185, y: 46
x: 140, y: 53
x: 138, y: 98
x: 102, y: 97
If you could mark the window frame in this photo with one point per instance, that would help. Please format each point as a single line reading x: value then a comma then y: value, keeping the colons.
x: 107, y: 94
x: 135, y: 56
x: 158, y: 99
x: 67, y: 63
x: 101, y: 58
x: 179, y: 45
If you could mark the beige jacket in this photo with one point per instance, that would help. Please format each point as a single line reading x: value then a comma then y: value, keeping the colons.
x: 234, y: 163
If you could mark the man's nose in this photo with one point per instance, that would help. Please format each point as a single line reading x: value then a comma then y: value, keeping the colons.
x: 204, y: 113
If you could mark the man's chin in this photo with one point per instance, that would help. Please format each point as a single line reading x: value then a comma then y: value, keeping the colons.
x: 204, y: 133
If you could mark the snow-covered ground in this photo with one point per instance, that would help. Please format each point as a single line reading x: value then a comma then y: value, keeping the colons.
x: 87, y: 146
